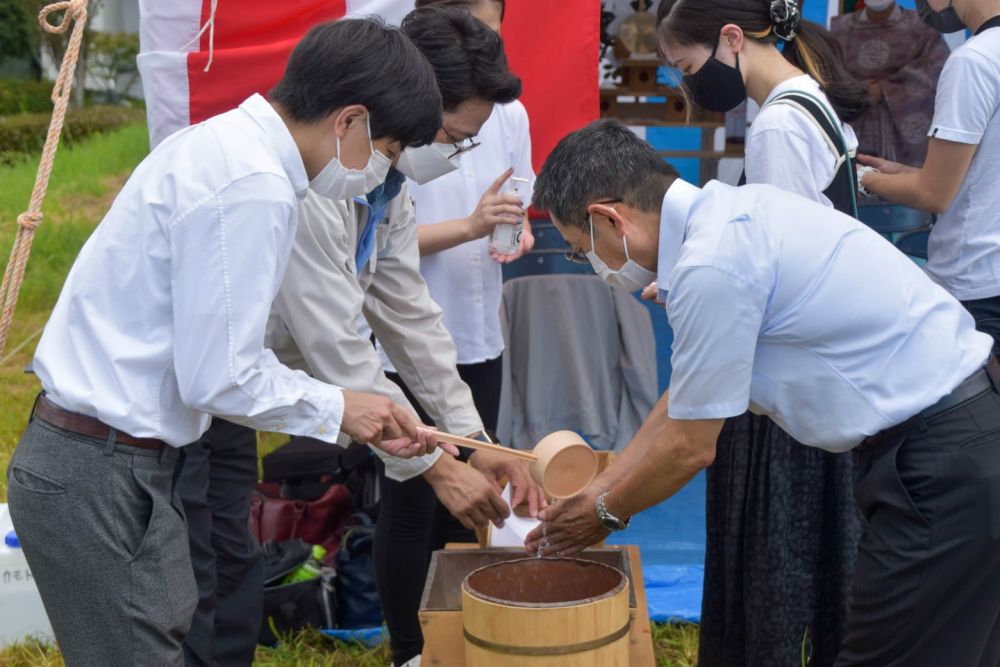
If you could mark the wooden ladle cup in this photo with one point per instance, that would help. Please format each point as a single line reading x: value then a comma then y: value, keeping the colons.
x: 562, y: 463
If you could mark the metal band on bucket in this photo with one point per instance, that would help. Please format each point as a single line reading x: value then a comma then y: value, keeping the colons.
x: 548, y: 650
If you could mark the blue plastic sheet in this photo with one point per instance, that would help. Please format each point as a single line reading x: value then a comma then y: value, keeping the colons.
x: 370, y: 637
x: 671, y: 540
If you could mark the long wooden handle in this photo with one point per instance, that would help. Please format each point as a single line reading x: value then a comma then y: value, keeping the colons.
x: 485, y: 446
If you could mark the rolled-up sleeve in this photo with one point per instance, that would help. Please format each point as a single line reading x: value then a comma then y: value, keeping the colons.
x: 716, y: 318
x: 227, y: 259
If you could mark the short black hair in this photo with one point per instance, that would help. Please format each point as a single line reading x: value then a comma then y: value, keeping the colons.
x: 362, y: 61
x: 604, y: 160
x: 467, y: 57
x: 467, y: 4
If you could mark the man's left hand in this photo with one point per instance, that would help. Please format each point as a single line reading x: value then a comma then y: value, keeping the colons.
x: 569, y: 526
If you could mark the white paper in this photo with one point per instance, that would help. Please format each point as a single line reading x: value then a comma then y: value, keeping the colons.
x: 515, y: 528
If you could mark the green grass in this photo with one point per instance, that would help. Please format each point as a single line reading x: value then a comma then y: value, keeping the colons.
x: 84, y: 183
x: 676, y: 646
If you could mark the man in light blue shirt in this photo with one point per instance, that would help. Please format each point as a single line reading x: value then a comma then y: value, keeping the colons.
x: 801, y: 313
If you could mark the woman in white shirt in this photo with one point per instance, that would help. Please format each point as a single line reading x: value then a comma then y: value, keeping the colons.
x: 456, y: 212
x: 782, y: 528
x: 960, y: 176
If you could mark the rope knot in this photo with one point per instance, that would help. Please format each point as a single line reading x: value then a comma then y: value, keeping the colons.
x: 76, y: 10
x: 29, y: 220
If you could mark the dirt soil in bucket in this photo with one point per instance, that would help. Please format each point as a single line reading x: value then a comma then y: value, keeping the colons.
x: 544, y: 581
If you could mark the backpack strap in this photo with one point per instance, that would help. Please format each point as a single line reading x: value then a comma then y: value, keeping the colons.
x: 821, y: 117
x: 830, y: 129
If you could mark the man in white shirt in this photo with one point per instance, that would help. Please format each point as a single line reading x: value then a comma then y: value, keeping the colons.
x: 803, y: 314
x: 161, y: 323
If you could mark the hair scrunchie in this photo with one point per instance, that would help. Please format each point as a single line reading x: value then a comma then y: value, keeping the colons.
x: 785, y: 18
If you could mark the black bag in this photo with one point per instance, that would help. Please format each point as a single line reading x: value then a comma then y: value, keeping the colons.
x: 357, y: 594
x: 291, y: 607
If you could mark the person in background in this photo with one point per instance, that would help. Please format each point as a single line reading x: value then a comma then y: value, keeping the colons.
x: 455, y: 213
x: 161, y: 325
x: 727, y: 51
x: 900, y: 58
x: 959, y: 177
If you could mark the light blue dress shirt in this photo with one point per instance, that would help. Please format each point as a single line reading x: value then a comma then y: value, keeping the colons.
x: 803, y: 314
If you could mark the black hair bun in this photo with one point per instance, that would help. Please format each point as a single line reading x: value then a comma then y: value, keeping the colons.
x: 785, y: 18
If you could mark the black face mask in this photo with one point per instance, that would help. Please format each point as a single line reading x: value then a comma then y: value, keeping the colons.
x: 717, y: 86
x: 945, y: 21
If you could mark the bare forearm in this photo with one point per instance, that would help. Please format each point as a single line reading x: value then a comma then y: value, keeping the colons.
x: 634, y: 455
x: 669, y: 464
x: 931, y: 188
x: 443, y: 235
x: 908, y: 189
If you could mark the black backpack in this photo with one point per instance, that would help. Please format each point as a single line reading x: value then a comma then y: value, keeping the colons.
x: 303, y: 604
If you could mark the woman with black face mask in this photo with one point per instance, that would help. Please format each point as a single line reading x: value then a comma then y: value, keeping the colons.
x: 731, y: 50
x: 782, y: 523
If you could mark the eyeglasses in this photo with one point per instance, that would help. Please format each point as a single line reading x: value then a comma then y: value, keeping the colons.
x: 575, y: 254
x: 461, y: 146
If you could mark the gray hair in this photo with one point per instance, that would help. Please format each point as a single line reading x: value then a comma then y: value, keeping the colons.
x: 604, y: 160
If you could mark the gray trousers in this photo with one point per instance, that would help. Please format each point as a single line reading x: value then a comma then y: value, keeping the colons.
x: 106, y: 541
x: 217, y: 477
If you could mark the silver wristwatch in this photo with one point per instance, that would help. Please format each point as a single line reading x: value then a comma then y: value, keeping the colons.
x: 607, y: 519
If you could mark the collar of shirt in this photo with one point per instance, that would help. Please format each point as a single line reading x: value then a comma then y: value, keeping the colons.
x: 261, y: 111
x: 863, y: 18
x: 674, y: 212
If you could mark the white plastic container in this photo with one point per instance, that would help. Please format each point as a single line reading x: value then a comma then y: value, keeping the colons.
x: 21, y: 610
x: 506, y: 239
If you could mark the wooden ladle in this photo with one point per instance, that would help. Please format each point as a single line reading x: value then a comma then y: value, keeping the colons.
x: 562, y: 463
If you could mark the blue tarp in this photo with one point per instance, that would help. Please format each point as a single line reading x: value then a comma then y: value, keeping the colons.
x: 370, y: 637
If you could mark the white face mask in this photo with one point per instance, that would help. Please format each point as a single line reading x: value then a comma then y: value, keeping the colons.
x: 879, y: 5
x: 631, y: 277
x: 339, y: 182
x: 426, y: 163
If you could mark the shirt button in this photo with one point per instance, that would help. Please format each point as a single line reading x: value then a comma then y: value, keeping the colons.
x: 323, y: 430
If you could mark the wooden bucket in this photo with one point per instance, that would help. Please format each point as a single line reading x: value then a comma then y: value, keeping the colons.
x: 557, y: 612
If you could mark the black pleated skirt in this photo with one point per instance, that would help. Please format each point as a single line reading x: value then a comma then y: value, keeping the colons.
x: 783, y: 530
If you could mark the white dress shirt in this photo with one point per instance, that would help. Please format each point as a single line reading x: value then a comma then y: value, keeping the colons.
x: 160, y: 324
x: 803, y: 314
x: 315, y: 325
x: 465, y: 280
x: 964, y: 249
x: 786, y: 148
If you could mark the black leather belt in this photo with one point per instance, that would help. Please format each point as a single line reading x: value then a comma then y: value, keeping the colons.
x: 984, y: 380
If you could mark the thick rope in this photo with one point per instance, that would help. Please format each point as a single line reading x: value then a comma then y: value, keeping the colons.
x: 27, y: 222
x: 210, y: 27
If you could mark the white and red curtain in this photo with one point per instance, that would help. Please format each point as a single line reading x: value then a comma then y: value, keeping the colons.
x: 551, y: 44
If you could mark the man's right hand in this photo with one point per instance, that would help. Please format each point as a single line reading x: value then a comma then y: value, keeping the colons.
x: 375, y: 419
x: 467, y: 493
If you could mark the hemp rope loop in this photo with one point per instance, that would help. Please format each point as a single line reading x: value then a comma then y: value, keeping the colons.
x: 27, y: 222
